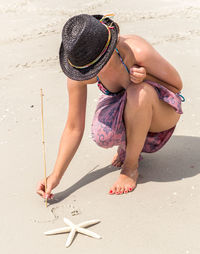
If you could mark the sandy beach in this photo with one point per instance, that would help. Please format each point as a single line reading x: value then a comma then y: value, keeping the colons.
x: 162, y: 215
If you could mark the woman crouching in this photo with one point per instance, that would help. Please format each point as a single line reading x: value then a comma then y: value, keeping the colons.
x: 140, y: 105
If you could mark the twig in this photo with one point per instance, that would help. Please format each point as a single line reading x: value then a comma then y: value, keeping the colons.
x: 44, y: 157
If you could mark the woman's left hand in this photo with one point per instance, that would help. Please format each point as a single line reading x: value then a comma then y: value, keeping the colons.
x: 137, y: 74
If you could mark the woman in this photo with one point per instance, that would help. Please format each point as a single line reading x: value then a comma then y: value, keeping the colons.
x: 141, y: 104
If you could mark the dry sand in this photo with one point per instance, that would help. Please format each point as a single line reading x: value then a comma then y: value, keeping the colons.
x: 162, y: 214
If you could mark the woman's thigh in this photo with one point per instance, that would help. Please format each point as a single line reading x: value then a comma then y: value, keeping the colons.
x: 164, y: 116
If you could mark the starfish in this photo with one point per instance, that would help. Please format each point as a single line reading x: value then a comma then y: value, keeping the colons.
x: 72, y: 228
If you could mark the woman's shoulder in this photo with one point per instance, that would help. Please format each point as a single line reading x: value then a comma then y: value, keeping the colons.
x: 132, y: 39
x: 135, y: 44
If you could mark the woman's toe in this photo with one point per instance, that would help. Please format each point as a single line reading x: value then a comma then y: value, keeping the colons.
x: 117, y: 190
x: 131, y: 188
x: 126, y: 189
x: 112, y: 190
x: 122, y: 190
x: 120, y: 164
x: 117, y: 164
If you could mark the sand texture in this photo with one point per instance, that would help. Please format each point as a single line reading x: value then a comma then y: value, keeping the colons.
x: 162, y: 215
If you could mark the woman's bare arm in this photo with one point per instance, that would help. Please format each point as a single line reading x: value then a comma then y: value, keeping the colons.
x: 158, y: 68
x: 71, y: 136
x: 74, y: 127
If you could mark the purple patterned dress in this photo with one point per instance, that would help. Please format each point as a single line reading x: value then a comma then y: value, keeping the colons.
x: 108, y: 127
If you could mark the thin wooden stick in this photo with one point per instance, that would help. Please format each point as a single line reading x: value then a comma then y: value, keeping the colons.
x: 44, y: 157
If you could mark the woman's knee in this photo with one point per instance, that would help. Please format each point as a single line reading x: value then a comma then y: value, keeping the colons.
x: 140, y: 95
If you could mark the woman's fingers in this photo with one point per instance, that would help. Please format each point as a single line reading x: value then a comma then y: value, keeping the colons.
x: 48, y: 191
x: 138, y: 75
x: 138, y: 69
x: 41, y: 190
x: 52, y: 182
x: 51, y: 196
x: 136, y: 79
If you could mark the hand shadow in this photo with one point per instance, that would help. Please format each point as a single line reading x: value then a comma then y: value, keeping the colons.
x: 179, y: 159
x: 88, y: 178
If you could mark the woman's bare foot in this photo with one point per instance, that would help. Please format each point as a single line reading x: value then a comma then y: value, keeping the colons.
x: 126, y: 182
x: 119, y: 157
x: 116, y: 162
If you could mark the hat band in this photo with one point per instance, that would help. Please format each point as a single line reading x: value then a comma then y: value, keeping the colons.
x: 101, y: 54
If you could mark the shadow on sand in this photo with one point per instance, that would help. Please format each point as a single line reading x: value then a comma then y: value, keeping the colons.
x: 179, y: 159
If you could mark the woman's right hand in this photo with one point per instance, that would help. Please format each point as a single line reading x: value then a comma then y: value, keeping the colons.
x: 137, y: 74
x: 52, y: 182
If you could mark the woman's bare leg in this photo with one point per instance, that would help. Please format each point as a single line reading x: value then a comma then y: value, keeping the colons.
x: 143, y: 112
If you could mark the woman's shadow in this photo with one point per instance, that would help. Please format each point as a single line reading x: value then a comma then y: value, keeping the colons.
x: 179, y: 159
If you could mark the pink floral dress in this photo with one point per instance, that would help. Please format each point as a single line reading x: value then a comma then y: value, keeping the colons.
x: 108, y: 128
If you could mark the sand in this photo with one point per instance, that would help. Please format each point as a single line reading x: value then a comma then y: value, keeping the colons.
x: 162, y: 214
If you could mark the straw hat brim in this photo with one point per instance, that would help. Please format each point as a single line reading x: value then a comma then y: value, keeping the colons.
x: 93, y: 70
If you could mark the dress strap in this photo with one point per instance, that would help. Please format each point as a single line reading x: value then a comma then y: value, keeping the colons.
x: 122, y: 60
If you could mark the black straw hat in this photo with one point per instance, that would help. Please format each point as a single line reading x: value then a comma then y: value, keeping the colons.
x: 88, y: 42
